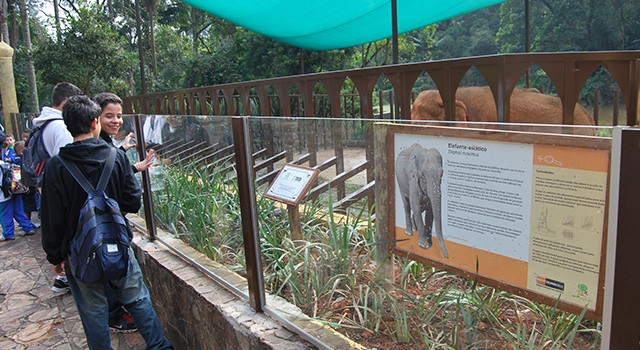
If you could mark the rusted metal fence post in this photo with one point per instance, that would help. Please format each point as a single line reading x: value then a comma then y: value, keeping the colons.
x: 147, y: 199
x: 247, y: 195
x: 621, y: 308
x: 384, y: 258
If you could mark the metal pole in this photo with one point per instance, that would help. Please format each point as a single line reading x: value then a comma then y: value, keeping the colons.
x: 527, y: 34
x: 147, y: 198
x: 394, y: 29
x: 247, y: 194
x: 621, y: 311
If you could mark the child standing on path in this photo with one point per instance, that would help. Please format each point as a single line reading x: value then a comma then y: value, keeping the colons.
x: 31, y: 199
x: 11, y: 208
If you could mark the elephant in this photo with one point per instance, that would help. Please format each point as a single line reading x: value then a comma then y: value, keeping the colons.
x: 476, y: 104
x: 419, y: 175
x: 429, y: 106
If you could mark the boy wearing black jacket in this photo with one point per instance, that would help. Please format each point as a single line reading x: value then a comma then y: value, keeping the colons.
x: 62, y: 199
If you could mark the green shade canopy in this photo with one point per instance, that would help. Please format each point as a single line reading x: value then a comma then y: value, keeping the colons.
x: 332, y: 24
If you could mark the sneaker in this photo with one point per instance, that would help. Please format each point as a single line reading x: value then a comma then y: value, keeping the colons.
x: 123, y: 324
x: 5, y: 239
x: 32, y: 232
x: 60, y: 285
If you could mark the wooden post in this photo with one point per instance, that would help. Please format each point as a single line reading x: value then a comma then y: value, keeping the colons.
x: 596, y: 106
x: 616, y: 106
x: 294, y: 222
x: 381, y: 103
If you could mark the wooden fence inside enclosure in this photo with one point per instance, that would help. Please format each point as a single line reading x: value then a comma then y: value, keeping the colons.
x: 568, y: 71
x: 360, y: 93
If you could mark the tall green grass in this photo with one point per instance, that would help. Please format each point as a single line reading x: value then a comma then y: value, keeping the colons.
x: 332, y: 276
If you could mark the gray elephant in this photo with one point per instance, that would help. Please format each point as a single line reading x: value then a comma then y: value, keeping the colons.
x: 419, y: 175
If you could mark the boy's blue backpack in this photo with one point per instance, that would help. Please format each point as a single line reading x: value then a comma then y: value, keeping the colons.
x: 100, y: 248
x: 34, y: 156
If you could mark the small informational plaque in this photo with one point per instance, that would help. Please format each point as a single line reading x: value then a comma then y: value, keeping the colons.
x: 292, y: 183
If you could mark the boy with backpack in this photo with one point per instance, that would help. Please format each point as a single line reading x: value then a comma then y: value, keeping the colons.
x: 49, y: 134
x: 65, y: 202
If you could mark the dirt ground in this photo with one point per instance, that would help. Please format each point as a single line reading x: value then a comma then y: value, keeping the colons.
x: 352, y: 158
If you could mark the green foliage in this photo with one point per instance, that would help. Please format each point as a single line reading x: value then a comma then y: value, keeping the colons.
x: 570, y: 25
x: 412, y: 46
x: 173, y: 55
x: 260, y: 57
x: 216, y: 68
x: 90, y: 55
x: 471, y: 34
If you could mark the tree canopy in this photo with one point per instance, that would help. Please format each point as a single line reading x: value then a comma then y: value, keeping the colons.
x: 102, y: 45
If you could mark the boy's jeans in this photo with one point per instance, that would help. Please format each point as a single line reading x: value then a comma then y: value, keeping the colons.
x: 91, y: 301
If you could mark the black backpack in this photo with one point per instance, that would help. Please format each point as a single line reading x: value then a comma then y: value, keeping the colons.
x: 99, y: 250
x: 34, y: 156
x: 11, y: 182
x: 7, y: 179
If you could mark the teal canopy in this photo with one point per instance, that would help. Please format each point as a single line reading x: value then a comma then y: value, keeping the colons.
x: 332, y: 24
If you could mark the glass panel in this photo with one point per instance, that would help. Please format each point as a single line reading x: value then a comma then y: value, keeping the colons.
x: 329, y: 271
x: 322, y: 255
x: 193, y: 184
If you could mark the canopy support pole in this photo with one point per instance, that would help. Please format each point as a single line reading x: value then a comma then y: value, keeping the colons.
x: 527, y: 34
x: 394, y: 30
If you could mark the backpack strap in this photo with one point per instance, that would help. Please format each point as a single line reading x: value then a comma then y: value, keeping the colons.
x: 106, y: 171
x: 82, y: 180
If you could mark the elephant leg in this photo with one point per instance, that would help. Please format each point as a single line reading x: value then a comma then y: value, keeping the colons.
x: 407, y: 216
x: 425, y: 240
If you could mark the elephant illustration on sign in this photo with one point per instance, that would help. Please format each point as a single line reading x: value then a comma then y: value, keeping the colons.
x: 419, y: 175
x: 476, y: 104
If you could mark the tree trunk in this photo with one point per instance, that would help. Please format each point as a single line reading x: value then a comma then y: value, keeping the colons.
x: 56, y: 12
x: 13, y: 27
x: 31, y: 73
x: 4, y: 27
x: 152, y: 6
x: 194, y: 29
x: 110, y: 11
x: 152, y: 38
x: 143, y: 79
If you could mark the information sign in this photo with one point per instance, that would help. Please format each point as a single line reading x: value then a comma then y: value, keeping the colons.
x: 291, y: 184
x: 523, y: 210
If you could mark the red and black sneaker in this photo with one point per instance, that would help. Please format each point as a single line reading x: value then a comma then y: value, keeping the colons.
x: 123, y: 324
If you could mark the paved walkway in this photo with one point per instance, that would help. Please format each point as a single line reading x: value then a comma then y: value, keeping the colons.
x: 31, y: 315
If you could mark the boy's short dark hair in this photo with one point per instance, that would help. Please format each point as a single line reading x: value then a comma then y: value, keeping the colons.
x: 19, y: 146
x: 63, y: 91
x: 105, y: 98
x: 78, y: 114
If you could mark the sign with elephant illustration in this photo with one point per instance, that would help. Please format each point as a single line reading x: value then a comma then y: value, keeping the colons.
x: 519, y: 210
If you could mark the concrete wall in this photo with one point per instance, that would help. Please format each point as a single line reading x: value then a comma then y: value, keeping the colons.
x: 199, y: 314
